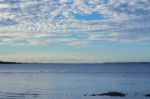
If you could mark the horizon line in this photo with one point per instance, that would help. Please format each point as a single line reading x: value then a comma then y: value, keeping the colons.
x: 1, y: 62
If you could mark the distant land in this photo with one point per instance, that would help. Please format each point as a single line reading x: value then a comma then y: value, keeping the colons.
x: 5, y: 62
x: 124, y: 62
x: 2, y: 62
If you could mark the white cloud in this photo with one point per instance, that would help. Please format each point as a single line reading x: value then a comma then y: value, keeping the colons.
x: 31, y: 20
x: 4, y: 6
x: 38, y: 42
x: 119, y: 37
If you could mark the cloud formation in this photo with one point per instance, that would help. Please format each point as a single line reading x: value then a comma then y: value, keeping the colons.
x: 73, y: 22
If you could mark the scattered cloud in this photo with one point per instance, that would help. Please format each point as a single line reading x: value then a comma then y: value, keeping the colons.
x: 41, y: 22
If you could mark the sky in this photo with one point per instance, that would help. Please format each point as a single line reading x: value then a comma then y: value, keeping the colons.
x: 75, y: 30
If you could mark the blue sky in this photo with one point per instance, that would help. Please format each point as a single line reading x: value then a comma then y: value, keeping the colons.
x: 74, y: 30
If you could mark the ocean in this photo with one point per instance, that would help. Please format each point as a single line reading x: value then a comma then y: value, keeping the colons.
x: 74, y: 81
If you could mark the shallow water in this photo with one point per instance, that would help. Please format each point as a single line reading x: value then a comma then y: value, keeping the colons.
x: 73, y: 81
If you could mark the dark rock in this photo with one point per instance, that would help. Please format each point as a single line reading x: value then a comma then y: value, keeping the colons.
x: 95, y: 95
x: 109, y: 94
x: 147, y: 95
x: 113, y: 94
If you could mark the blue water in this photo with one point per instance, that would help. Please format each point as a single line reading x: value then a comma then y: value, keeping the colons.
x: 73, y: 81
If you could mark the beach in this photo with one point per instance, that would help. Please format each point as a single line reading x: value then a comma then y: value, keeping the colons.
x: 74, y: 81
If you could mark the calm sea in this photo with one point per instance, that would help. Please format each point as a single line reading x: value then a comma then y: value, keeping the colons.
x: 73, y: 81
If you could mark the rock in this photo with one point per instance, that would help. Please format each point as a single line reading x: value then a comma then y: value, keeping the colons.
x: 113, y: 94
x: 147, y: 95
x: 109, y: 94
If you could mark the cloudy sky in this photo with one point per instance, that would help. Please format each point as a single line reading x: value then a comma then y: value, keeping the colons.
x: 74, y: 30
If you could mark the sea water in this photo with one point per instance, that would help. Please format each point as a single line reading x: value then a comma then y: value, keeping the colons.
x: 74, y: 81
